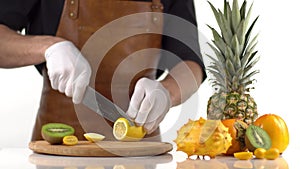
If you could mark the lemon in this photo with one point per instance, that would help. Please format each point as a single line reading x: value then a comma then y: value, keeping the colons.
x: 243, y: 155
x: 70, y: 140
x: 94, y: 137
x: 124, y: 132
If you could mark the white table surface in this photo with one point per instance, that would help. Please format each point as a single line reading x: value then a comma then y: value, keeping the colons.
x: 23, y: 158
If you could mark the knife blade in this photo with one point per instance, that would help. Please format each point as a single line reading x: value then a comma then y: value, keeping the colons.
x: 103, y: 106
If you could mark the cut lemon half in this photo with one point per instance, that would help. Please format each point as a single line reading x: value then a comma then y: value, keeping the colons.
x: 124, y: 132
x: 94, y: 137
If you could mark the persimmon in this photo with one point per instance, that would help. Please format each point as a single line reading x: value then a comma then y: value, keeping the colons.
x: 277, y: 129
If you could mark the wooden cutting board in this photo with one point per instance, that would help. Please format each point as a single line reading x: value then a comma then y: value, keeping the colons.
x: 102, y: 148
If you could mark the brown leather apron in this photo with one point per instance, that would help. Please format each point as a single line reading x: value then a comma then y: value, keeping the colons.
x: 80, y: 20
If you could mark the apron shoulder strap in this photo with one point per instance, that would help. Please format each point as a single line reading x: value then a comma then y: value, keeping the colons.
x: 72, y: 8
x: 157, y: 6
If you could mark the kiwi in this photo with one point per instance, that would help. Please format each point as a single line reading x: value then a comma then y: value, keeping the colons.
x: 55, y: 132
x: 257, y: 137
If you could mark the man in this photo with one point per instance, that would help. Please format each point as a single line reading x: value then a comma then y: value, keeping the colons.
x: 55, y: 32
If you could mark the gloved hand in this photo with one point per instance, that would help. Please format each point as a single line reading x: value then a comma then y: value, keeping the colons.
x: 69, y: 72
x: 149, y: 104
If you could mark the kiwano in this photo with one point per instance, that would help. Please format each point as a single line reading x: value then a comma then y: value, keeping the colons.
x: 203, y: 138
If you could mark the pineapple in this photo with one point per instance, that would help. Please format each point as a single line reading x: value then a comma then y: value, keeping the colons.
x: 203, y: 138
x: 231, y: 69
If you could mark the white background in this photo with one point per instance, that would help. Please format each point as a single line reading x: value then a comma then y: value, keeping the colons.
x: 276, y: 89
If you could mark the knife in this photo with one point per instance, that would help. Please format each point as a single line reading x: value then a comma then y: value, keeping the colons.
x: 103, y: 106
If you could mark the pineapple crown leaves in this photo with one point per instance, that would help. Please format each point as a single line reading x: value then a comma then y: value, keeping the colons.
x: 234, y: 49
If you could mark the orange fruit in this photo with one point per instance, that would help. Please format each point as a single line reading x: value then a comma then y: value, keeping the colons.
x: 277, y: 129
x: 237, y: 129
x: 272, y: 154
x: 260, y: 153
x: 124, y: 132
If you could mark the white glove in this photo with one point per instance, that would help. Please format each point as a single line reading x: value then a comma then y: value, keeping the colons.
x: 69, y: 72
x: 149, y: 104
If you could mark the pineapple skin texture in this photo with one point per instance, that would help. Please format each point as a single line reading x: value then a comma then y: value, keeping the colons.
x: 232, y: 106
x: 203, y: 138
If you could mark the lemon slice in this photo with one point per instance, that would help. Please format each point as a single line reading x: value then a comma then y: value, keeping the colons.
x: 94, y: 137
x: 124, y: 132
x: 243, y: 155
x: 70, y: 140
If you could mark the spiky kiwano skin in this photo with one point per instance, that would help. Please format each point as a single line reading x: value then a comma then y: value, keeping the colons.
x: 232, y: 66
x: 203, y: 137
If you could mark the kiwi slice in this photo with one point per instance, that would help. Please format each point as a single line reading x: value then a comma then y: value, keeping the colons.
x: 257, y: 137
x: 55, y: 132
